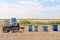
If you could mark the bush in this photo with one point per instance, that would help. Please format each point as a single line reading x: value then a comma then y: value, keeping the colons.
x: 25, y: 22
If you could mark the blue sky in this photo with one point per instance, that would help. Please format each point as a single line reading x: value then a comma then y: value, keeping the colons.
x: 30, y: 8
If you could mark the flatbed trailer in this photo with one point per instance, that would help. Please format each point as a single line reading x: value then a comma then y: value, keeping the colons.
x: 15, y: 28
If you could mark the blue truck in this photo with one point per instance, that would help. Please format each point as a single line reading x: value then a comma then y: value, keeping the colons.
x: 10, y: 27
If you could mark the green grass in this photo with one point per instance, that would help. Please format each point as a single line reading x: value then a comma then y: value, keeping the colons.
x: 24, y: 22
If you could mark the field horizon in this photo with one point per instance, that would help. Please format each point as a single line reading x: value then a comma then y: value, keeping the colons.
x: 26, y: 35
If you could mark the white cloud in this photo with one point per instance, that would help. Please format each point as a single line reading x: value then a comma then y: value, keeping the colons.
x: 53, y: 12
x: 26, y: 9
x: 50, y: 0
x: 21, y: 11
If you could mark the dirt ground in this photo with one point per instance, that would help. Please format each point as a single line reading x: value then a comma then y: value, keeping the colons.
x: 26, y: 35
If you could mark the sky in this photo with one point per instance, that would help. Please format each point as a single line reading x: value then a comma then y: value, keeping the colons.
x: 30, y: 8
